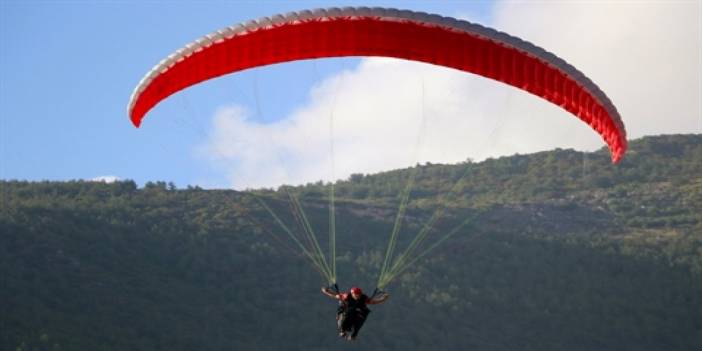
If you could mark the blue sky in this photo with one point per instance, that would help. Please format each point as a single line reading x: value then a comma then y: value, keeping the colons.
x: 68, y: 68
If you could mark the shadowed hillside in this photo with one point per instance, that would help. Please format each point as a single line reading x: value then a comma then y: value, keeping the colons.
x: 563, y: 251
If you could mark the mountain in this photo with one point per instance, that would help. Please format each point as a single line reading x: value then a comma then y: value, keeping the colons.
x: 558, y: 250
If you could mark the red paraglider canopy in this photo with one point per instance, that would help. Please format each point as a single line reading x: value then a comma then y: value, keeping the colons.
x: 401, y: 34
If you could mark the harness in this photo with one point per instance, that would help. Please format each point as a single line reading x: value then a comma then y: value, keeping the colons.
x: 349, y: 305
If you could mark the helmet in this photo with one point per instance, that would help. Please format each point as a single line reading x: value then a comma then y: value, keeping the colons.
x: 356, y: 291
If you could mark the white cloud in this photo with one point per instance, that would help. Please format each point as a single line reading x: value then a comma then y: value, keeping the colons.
x: 645, y: 56
x: 106, y: 179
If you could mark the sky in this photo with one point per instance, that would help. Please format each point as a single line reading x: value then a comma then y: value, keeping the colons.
x: 68, y: 68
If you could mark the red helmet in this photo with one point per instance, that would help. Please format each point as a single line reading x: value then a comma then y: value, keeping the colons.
x: 356, y: 291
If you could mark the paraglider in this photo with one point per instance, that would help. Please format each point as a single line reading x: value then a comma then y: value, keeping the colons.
x: 402, y: 34
x: 353, y: 309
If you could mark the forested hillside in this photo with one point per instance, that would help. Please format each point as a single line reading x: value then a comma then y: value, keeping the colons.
x: 559, y: 250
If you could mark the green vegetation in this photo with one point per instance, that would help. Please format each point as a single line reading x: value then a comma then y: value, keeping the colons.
x: 566, y: 252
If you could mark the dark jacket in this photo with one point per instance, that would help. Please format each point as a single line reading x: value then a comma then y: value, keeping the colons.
x: 348, y: 304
